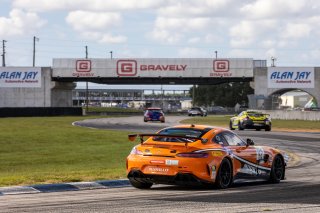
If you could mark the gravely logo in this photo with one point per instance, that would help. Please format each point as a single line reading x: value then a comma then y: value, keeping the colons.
x: 221, y: 69
x: 131, y: 67
x: 169, y: 67
x: 83, y: 69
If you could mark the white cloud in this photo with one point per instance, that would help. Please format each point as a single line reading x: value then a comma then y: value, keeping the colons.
x: 252, y: 33
x: 261, y: 9
x: 296, y: 31
x: 108, y: 38
x: 190, y: 52
x: 199, y: 8
x: 173, y: 29
x: 86, y: 21
x: 20, y: 23
x: 96, y: 25
x: 90, y: 5
x: 194, y: 40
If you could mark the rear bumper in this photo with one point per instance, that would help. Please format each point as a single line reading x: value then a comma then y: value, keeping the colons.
x: 249, y: 124
x: 178, y: 179
x: 154, y: 118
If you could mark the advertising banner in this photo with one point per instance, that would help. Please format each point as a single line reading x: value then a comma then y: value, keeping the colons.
x: 153, y: 67
x: 291, y: 77
x: 19, y: 77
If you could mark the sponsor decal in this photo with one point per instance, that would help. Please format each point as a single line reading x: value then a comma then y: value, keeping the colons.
x: 291, y: 77
x: 213, y: 172
x: 221, y: 68
x: 158, y: 169
x: 157, y: 161
x: 83, y: 69
x: 217, y: 154
x: 260, y: 154
x: 127, y: 67
x: 20, y: 78
x: 172, y: 162
x: 251, y: 170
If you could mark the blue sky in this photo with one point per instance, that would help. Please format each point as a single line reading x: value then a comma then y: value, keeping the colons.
x: 260, y: 29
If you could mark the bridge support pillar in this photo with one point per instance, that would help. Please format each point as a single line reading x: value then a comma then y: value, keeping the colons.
x: 61, y: 94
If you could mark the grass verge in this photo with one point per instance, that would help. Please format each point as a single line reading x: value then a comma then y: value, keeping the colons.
x: 51, y: 150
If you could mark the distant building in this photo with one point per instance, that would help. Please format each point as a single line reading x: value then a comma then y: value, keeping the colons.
x: 294, y: 100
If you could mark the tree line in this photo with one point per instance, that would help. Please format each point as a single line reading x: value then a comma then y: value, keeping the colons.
x: 226, y: 95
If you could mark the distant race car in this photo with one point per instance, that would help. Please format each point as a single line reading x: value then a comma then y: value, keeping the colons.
x: 200, y: 155
x: 194, y: 111
x: 251, y: 120
x: 154, y: 114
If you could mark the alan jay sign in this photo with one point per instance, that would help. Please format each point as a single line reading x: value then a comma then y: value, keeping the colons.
x: 17, y: 77
x: 288, y: 77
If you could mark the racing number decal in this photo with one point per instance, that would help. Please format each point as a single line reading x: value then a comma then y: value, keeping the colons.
x: 260, y: 154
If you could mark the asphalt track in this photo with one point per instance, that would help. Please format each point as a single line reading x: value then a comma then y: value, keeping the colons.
x: 300, y: 192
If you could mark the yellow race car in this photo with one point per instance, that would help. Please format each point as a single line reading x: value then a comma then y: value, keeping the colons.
x: 251, y: 120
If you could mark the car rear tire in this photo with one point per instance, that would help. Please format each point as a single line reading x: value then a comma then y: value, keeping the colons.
x: 224, y: 177
x: 140, y: 185
x: 230, y: 125
x: 277, y: 170
x: 258, y: 129
x: 240, y: 126
x: 268, y: 128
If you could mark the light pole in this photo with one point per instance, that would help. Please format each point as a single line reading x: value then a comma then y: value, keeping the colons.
x: 110, y: 54
x: 87, y: 86
x: 273, y: 59
x: 3, y: 53
x: 34, y: 49
x: 216, y: 52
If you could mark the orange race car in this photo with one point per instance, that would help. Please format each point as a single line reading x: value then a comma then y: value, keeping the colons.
x: 199, y: 154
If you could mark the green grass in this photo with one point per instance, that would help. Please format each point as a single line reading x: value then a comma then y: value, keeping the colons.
x: 223, y: 121
x: 51, y: 150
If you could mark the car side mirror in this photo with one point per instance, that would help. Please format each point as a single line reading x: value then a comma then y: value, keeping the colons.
x: 250, y: 142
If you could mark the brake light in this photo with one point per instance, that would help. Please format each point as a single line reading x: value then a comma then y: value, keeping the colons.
x: 135, y: 151
x: 193, y: 155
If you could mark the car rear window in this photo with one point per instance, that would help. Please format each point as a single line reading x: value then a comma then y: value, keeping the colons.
x: 255, y: 114
x: 154, y: 110
x: 188, y: 132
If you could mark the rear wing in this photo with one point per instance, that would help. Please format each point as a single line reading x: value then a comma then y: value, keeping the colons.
x: 132, y: 137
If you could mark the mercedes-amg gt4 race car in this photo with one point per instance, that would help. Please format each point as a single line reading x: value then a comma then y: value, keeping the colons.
x: 251, y: 120
x: 200, y: 155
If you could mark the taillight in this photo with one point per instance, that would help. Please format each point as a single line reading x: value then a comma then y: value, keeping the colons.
x: 193, y: 155
x: 135, y: 151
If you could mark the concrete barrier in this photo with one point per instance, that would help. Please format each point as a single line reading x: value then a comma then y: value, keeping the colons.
x: 293, y: 115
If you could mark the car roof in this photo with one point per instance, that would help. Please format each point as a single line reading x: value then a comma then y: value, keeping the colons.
x: 252, y: 111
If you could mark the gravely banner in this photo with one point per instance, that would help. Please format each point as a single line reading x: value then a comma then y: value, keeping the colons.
x: 153, y: 68
x: 291, y: 77
x: 20, y: 77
